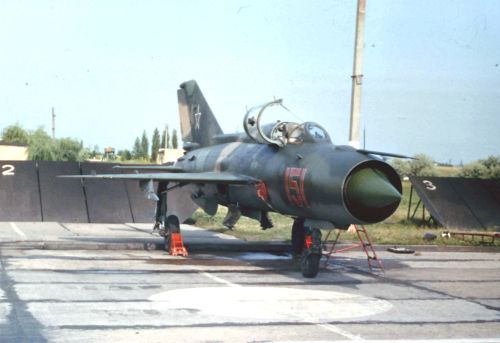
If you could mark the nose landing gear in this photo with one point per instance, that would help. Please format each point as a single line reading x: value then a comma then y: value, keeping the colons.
x: 312, y: 253
x: 306, y: 242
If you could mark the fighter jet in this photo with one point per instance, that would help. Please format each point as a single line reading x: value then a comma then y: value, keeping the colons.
x: 285, y: 167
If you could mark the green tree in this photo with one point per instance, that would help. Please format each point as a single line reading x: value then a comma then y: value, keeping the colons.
x: 84, y: 154
x: 68, y: 149
x: 401, y: 166
x: 422, y: 165
x: 137, y: 150
x: 491, y: 162
x: 493, y: 165
x: 474, y: 170
x: 165, y: 138
x: 15, y: 134
x: 144, y: 146
x: 155, y: 145
x: 95, y: 152
x: 174, y: 139
x: 41, y: 146
x: 495, y: 172
x: 169, y: 143
x: 484, y: 169
x: 125, y: 155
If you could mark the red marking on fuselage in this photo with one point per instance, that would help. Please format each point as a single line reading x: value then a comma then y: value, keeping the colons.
x: 294, y: 186
x: 262, y: 191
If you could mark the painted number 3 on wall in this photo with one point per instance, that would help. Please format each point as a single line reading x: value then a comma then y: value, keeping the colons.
x: 429, y: 185
x: 8, y: 170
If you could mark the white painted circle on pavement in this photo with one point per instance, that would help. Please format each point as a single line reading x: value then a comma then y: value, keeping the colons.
x: 270, y: 304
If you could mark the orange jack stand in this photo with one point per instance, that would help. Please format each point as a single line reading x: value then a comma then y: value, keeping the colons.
x: 177, y: 246
x: 364, y: 242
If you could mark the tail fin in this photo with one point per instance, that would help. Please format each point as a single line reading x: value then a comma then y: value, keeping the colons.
x: 198, y: 124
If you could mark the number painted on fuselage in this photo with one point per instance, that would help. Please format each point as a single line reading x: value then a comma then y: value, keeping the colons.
x: 294, y: 186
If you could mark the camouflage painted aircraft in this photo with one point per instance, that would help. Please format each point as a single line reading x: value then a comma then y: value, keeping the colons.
x: 285, y: 167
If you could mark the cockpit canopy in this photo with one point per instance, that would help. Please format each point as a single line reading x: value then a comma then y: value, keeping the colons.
x: 282, y: 132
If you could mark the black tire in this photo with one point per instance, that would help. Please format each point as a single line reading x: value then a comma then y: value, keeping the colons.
x: 310, y: 265
x: 298, y: 236
x: 171, y: 226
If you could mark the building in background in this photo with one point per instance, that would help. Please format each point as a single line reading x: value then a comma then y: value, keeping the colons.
x: 169, y: 155
x: 13, y: 152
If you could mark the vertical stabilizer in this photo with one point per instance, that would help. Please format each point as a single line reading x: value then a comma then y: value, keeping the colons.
x: 198, y: 124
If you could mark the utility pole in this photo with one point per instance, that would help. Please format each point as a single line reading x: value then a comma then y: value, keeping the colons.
x: 357, y: 76
x: 53, y: 124
x: 364, y: 138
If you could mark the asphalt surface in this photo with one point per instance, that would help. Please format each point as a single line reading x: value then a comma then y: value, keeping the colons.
x: 107, y: 283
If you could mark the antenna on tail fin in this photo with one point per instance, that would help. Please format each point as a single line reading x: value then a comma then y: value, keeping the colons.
x: 198, y: 124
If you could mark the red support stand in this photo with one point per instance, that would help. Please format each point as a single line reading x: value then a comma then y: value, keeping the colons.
x: 364, y: 242
x: 177, y: 246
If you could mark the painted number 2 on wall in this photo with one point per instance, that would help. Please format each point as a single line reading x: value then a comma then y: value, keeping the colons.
x: 8, y: 170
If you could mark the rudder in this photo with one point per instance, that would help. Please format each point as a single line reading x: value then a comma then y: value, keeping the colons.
x: 198, y: 124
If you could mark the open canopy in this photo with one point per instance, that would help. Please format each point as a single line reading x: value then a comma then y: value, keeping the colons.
x: 282, y: 132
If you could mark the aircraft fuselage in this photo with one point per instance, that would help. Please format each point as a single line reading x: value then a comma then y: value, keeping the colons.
x: 318, y: 181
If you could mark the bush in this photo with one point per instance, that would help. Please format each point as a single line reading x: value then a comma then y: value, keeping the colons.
x: 125, y: 155
x: 482, y: 169
x: 15, y: 134
x: 68, y: 149
x: 422, y: 165
x: 41, y: 146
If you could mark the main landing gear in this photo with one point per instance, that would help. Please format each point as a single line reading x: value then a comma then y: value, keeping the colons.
x: 165, y: 225
x: 306, y: 243
x: 170, y: 227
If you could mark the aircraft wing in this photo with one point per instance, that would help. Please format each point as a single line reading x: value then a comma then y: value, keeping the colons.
x: 200, y: 177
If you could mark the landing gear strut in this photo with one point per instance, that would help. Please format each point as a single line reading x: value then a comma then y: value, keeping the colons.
x: 298, y: 236
x: 165, y: 225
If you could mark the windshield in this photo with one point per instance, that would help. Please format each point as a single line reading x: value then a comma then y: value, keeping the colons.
x: 316, y: 133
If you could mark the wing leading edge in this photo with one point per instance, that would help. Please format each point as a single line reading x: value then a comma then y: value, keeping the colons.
x: 204, y: 177
x: 387, y: 154
x: 166, y: 169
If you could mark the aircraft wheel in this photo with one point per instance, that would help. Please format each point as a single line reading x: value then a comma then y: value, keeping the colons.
x: 171, y: 226
x: 298, y: 236
x: 310, y: 265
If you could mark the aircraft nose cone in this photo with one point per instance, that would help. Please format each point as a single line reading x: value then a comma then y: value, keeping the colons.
x: 370, y: 188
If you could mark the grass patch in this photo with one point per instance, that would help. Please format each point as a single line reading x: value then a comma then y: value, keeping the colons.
x: 246, y: 229
x: 447, y: 171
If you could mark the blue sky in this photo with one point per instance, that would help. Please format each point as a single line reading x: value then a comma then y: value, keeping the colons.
x: 111, y: 68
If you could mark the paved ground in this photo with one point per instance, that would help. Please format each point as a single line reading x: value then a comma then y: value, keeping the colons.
x: 99, y: 283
